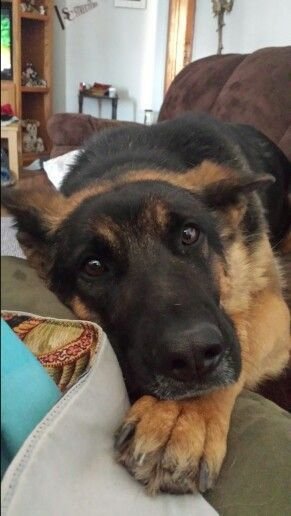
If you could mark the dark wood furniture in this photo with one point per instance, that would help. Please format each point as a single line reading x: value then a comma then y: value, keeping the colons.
x: 100, y: 98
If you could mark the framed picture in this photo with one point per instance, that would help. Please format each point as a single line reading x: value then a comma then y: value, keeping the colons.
x: 133, y: 4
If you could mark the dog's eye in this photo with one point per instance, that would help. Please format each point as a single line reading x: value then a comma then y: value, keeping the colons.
x: 94, y: 268
x: 190, y: 234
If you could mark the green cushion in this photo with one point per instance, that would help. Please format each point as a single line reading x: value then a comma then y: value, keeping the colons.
x: 22, y: 290
x: 255, y: 478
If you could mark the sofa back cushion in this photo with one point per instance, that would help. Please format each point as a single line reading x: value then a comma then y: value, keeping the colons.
x: 253, y: 89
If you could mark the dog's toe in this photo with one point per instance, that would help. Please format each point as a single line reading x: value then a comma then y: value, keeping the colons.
x: 204, y: 478
x: 123, y: 436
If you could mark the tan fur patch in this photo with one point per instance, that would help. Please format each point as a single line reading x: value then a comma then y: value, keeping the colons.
x: 154, y: 216
x: 264, y: 333
x: 82, y: 311
x: 248, y: 274
x: 107, y: 229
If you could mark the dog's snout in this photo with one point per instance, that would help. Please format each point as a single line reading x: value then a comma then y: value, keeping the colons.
x: 194, y: 353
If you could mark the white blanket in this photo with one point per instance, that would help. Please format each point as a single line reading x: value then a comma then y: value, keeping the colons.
x: 57, y: 168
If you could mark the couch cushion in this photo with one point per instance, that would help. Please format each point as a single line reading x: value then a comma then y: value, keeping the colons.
x: 252, y: 89
x: 68, y: 131
x: 22, y: 290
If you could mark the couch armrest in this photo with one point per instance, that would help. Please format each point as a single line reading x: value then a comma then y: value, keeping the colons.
x: 68, y: 131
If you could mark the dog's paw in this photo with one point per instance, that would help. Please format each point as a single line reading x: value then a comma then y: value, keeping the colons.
x: 171, y: 446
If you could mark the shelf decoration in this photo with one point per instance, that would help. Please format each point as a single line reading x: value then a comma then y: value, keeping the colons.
x: 29, y: 6
x: 31, y: 142
x: 72, y: 11
x: 30, y: 77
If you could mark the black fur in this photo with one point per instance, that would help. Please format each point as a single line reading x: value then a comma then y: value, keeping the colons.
x: 184, y: 143
x: 155, y: 295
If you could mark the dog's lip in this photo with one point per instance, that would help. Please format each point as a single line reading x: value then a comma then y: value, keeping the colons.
x: 173, y: 392
x: 170, y: 391
x: 164, y: 387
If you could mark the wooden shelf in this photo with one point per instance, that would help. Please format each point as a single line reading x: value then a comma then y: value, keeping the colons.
x: 32, y: 42
x: 35, y: 16
x: 34, y: 89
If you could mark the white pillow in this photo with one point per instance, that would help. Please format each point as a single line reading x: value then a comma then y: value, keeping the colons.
x: 66, y: 466
x: 57, y: 168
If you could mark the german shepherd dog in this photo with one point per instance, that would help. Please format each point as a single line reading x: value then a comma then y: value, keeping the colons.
x: 164, y: 236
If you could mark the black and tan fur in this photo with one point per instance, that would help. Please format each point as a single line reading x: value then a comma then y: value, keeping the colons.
x: 127, y: 206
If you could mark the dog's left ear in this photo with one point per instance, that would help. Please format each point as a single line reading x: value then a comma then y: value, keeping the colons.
x: 233, y: 190
x: 37, y: 213
x: 228, y: 197
x: 224, y: 190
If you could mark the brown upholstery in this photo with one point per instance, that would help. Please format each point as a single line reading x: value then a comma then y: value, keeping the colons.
x: 68, y: 131
x: 254, y: 89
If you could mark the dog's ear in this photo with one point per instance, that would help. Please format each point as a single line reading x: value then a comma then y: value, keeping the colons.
x: 226, y: 192
x: 37, y: 213
x: 228, y: 197
x: 223, y: 189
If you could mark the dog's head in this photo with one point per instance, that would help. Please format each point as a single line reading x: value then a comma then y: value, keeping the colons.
x: 153, y: 257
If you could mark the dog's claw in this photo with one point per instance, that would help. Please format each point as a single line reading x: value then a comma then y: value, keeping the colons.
x: 123, y: 435
x: 204, y: 479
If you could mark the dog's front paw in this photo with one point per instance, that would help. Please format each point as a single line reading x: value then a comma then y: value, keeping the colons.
x: 171, y: 446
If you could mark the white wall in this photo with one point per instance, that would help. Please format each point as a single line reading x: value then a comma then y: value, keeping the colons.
x: 251, y: 25
x: 122, y: 47
x: 59, y: 63
x: 127, y: 48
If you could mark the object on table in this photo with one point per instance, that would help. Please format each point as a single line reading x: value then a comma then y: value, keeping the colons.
x: 148, y: 116
x: 82, y: 86
x: 99, y: 89
x: 112, y: 92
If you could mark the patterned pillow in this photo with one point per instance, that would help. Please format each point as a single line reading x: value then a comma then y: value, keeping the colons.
x: 65, y: 348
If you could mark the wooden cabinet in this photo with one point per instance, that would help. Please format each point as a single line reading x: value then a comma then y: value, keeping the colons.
x: 32, y: 42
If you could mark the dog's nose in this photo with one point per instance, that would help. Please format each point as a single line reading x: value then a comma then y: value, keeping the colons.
x: 196, y: 353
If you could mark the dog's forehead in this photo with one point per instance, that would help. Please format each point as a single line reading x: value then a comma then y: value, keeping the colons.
x: 145, y: 204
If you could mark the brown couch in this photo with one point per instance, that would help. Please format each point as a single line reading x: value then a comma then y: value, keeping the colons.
x: 253, y: 89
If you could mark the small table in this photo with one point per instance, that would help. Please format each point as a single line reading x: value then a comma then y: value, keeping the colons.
x: 12, y: 134
x: 89, y: 94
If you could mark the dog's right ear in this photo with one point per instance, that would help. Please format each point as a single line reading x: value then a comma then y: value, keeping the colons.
x: 37, y: 214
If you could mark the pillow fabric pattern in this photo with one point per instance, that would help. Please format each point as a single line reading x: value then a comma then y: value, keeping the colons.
x: 65, y: 348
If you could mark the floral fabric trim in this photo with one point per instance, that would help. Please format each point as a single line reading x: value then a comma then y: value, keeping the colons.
x: 65, y: 348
